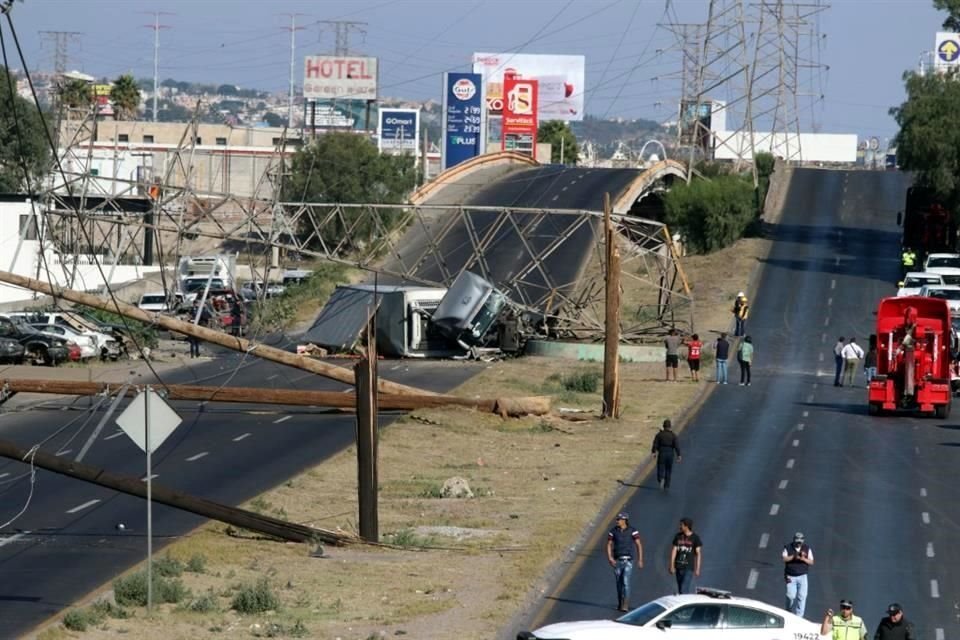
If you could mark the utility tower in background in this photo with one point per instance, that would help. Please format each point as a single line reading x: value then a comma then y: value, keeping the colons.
x: 342, y: 30
x: 293, y: 28
x: 61, y: 47
x: 156, y: 26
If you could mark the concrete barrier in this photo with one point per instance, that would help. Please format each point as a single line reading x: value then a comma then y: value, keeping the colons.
x: 593, y: 351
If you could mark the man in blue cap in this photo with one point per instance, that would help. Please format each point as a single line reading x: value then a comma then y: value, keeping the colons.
x: 623, y: 549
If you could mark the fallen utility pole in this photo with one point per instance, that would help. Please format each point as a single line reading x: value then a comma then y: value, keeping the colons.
x: 129, y: 485
x: 254, y: 395
x: 235, y: 343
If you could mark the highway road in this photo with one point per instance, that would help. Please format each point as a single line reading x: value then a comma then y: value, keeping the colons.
x: 66, y: 543
x: 874, y: 496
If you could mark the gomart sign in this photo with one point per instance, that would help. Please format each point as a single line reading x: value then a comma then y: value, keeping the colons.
x: 349, y: 78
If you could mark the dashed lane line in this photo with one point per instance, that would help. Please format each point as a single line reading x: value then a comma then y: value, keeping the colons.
x: 198, y: 456
x: 242, y: 436
x: 153, y: 476
x: 283, y: 419
x: 752, y: 579
x: 783, y: 484
x: 930, y: 553
x: 923, y: 492
x: 806, y: 414
x: 764, y: 540
x: 826, y: 321
x: 774, y: 509
x: 8, y: 539
x: 114, y: 435
x: 833, y: 283
x: 796, y: 443
x: 925, y: 517
x: 5, y: 474
x: 821, y: 357
x: 939, y: 634
x: 790, y: 463
x: 800, y: 427
x: 829, y: 302
x: 934, y: 589
x: 83, y: 506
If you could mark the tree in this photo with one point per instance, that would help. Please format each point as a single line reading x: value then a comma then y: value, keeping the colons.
x: 125, y: 96
x: 345, y: 167
x: 274, y: 120
x: 76, y: 94
x: 559, y: 135
x: 227, y: 90
x: 711, y: 214
x: 30, y: 148
x: 952, y: 7
x: 928, y: 142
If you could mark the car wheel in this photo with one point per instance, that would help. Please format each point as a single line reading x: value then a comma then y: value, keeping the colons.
x: 43, y: 358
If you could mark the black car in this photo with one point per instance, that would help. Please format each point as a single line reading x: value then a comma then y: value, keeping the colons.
x: 38, y: 348
x: 11, y: 351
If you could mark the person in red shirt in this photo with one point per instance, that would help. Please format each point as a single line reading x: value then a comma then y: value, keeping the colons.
x: 694, y: 346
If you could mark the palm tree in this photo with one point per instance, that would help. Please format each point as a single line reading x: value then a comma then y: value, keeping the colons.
x: 125, y: 96
x: 76, y: 94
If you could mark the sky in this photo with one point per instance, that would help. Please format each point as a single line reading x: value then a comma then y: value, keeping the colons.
x: 632, y: 57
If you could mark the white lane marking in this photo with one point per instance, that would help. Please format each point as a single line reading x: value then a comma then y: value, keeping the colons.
x: 13, y: 538
x: 783, y: 484
x: 273, y: 376
x: 934, y: 589
x: 923, y: 491
x: 283, y: 419
x: 810, y: 397
x: 556, y: 197
x: 800, y: 427
x: 63, y: 452
x: 242, y: 437
x: 930, y: 553
x: 925, y: 517
x: 83, y: 506
x: 821, y: 357
x: 829, y: 301
x: 806, y: 414
x: 198, y: 456
x: 833, y: 283
x: 823, y: 338
x: 114, y: 435
x: 796, y: 443
x: 826, y: 321
x: 940, y: 635
x: 774, y: 509
x: 153, y: 476
x: 764, y: 539
x: 5, y: 474
x: 815, y: 385
x: 916, y: 450
x: 752, y: 579
x: 838, y: 261
x: 790, y: 463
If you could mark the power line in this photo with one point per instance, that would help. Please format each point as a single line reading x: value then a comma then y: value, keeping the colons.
x: 293, y: 28
x: 61, y: 47
x: 342, y: 30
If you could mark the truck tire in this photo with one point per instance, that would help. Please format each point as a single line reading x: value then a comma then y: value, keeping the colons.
x: 942, y: 411
x: 873, y: 409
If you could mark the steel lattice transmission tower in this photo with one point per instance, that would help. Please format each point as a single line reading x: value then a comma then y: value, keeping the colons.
x: 61, y: 47
x: 783, y: 28
x: 342, y: 30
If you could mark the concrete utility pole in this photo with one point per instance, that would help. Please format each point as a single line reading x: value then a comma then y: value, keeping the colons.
x: 293, y: 28
x: 61, y: 47
x: 365, y: 372
x: 156, y: 26
x: 341, y: 30
x: 611, y: 349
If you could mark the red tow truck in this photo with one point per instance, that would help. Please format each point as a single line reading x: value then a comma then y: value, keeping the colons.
x: 914, y: 358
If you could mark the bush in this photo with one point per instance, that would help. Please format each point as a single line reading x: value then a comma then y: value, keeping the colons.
x: 257, y: 598
x: 131, y: 590
x: 581, y: 381
x: 279, y: 312
x: 711, y: 214
x: 81, y: 619
x: 206, y: 603
x: 108, y: 609
x: 197, y: 564
x: 168, y: 567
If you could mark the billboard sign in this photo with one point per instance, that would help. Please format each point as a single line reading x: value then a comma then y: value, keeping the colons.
x: 520, y: 115
x: 561, y: 81
x: 696, y: 123
x: 947, y: 49
x: 398, y: 131
x: 343, y: 77
x: 463, y: 118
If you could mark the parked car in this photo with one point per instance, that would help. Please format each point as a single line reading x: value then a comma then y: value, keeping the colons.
x: 949, y: 292
x: 86, y: 347
x: 160, y: 302
x: 709, y: 615
x: 11, y: 351
x: 107, y: 344
x: 253, y: 289
x: 913, y: 281
x: 194, y: 287
x: 936, y: 261
x: 39, y: 348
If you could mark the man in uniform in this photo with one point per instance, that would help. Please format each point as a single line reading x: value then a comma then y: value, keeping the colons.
x: 908, y: 259
x: 622, y: 542
x: 665, y: 445
x: 845, y: 626
x: 894, y: 626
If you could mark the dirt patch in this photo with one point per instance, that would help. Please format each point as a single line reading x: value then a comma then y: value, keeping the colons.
x: 455, y: 567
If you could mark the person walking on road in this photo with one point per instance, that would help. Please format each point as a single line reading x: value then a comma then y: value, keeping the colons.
x: 845, y: 626
x: 623, y: 550
x: 741, y: 311
x: 894, y: 626
x: 797, y: 560
x: 694, y: 347
x: 672, y: 343
x: 666, y: 446
x: 686, y: 553
x: 870, y: 360
x: 838, y: 361
x: 745, y: 358
x: 722, y: 352
x: 852, y: 355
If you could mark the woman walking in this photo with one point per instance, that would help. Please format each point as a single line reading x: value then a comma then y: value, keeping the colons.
x: 745, y: 358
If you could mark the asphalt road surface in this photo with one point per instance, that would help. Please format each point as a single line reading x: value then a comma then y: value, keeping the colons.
x: 66, y: 543
x: 875, y: 496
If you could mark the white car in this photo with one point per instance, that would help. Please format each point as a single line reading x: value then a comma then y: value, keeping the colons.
x: 950, y: 275
x: 949, y: 292
x: 915, y: 280
x: 106, y: 345
x: 710, y: 614
x: 159, y: 301
x: 941, y: 260
x: 88, y: 349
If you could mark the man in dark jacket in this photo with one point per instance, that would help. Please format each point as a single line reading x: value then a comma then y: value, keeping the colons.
x: 894, y: 626
x: 722, y: 352
x: 666, y: 445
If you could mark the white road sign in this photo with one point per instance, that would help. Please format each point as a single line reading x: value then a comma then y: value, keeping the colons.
x: 163, y: 420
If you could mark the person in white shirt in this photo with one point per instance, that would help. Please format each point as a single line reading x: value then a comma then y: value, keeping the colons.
x: 852, y: 354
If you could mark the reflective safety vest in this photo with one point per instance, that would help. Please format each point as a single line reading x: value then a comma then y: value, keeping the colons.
x: 909, y: 257
x: 848, y: 629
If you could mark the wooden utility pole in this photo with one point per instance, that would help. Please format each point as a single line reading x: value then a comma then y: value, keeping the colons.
x: 209, y: 335
x: 367, y: 473
x: 611, y: 352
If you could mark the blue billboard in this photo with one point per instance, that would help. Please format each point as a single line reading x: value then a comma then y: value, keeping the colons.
x: 463, y: 118
x: 399, y: 130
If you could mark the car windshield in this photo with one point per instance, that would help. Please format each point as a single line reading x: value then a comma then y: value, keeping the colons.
x: 946, y: 261
x: 919, y: 282
x: 951, y: 279
x: 642, y: 615
x: 946, y: 294
x: 200, y: 285
x: 153, y: 300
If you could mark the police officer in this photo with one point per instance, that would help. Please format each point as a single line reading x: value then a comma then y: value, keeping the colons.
x: 666, y: 445
x: 908, y: 259
x: 845, y: 626
x: 894, y: 626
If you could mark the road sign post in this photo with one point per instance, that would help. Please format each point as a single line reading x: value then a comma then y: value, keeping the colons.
x: 146, y: 439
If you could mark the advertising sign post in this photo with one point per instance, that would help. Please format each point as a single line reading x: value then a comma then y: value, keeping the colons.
x: 398, y: 132
x: 340, y: 77
x: 520, y: 115
x: 463, y: 118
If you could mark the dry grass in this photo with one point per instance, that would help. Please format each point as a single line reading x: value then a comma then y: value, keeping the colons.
x: 466, y: 581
